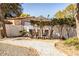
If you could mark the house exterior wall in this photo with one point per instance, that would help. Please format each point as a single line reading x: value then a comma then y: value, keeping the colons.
x: 12, y: 21
x: 28, y: 26
x: 17, y: 22
x: 13, y: 30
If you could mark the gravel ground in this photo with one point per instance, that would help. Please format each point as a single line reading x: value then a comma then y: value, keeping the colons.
x: 12, y: 50
x: 43, y: 48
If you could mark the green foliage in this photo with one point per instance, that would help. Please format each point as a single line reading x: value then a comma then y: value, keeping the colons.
x: 11, y: 9
x: 59, y: 14
x: 23, y: 32
x: 65, y: 16
x: 77, y: 47
x: 67, y: 21
x: 24, y: 15
x: 70, y: 22
x: 72, y: 41
x: 59, y: 21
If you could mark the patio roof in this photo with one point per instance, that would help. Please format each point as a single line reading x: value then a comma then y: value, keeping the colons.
x: 29, y: 18
x: 6, y: 22
x: 20, y: 18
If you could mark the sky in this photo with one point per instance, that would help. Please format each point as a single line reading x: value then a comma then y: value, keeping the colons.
x: 43, y: 9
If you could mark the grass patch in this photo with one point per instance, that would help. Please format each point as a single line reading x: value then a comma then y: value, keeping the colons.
x: 71, y: 41
x: 77, y: 47
x: 69, y: 46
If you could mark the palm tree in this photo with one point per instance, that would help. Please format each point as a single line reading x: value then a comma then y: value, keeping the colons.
x: 13, y: 9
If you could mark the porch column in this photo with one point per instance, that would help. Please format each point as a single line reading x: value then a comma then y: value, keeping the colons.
x: 1, y: 34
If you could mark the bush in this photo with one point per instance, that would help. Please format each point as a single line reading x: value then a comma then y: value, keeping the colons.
x: 77, y: 47
x: 72, y: 41
x: 23, y: 32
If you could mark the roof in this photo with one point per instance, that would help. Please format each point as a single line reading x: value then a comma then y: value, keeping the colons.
x: 29, y: 18
x: 41, y: 18
x: 6, y: 22
x: 20, y: 18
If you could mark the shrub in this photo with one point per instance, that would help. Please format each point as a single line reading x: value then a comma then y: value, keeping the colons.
x: 77, y: 47
x: 23, y: 32
x: 72, y: 41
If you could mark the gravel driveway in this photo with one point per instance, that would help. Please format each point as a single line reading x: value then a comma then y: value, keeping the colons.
x: 43, y: 48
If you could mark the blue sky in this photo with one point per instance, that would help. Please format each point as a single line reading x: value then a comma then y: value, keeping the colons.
x: 37, y: 9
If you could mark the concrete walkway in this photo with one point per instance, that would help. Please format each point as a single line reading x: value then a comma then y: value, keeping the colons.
x: 44, y: 48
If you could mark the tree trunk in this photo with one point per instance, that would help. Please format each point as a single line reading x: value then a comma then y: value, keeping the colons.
x: 77, y: 20
x: 51, y: 31
x: 68, y: 33
x: 40, y: 35
x: 61, y: 32
x: 41, y: 32
x: 3, y: 23
x: 68, y: 29
x: 4, y: 30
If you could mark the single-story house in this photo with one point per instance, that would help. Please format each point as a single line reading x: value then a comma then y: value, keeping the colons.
x: 37, y: 27
x: 33, y: 28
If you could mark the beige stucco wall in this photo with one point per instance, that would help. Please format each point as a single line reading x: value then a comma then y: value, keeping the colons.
x: 17, y: 22
x: 13, y: 30
x: 12, y: 21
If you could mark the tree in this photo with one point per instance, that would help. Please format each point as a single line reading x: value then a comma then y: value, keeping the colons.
x: 53, y: 23
x: 69, y: 12
x: 64, y: 21
x: 70, y: 22
x: 13, y: 9
x: 66, y: 17
x: 59, y: 14
x: 60, y: 20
